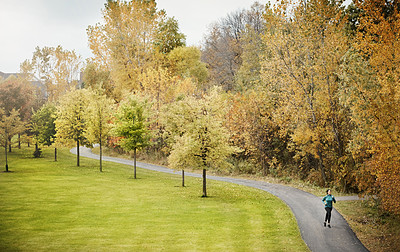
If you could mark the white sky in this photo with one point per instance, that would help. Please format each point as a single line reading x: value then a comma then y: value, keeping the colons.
x: 25, y: 24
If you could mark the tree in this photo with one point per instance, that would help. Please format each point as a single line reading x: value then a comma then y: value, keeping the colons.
x: 223, y: 45
x: 156, y: 83
x: 185, y: 62
x: 98, y: 79
x: 43, y: 126
x: 16, y: 93
x: 204, y: 141
x: 372, y: 79
x: 10, y: 125
x: 305, y: 44
x: 19, y: 94
x: 131, y: 125
x: 174, y: 118
x: 125, y: 43
x: 248, y: 75
x: 71, y: 122
x: 252, y: 128
x: 222, y: 55
x: 168, y: 36
x: 99, y: 113
x: 57, y: 69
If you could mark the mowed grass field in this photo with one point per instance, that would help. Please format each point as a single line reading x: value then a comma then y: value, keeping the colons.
x: 56, y: 206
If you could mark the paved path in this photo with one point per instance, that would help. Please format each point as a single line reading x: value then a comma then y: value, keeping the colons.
x: 307, y: 208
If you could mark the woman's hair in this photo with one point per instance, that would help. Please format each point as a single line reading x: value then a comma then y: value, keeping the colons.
x: 327, y: 191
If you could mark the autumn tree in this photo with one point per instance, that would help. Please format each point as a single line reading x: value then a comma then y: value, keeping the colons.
x: 248, y: 75
x: 305, y: 44
x: 99, y: 79
x: 71, y: 122
x: 18, y: 94
x: 222, y: 54
x: 99, y: 115
x: 10, y: 124
x: 204, y: 141
x: 174, y: 118
x: 131, y: 125
x: 157, y: 83
x: 253, y: 129
x: 163, y: 87
x: 372, y: 80
x: 223, y: 45
x: 185, y: 62
x: 56, y: 68
x: 125, y: 42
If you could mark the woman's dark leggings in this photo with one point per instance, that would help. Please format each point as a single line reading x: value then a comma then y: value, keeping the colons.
x: 328, y: 214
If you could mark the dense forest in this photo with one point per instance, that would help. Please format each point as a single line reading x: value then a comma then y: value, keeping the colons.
x: 303, y: 89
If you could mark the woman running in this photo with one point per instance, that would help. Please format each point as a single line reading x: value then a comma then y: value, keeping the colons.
x: 328, y: 206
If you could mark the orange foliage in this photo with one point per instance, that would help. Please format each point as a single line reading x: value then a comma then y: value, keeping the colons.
x: 378, y: 40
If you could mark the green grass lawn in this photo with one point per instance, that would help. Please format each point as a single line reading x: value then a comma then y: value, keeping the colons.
x: 53, y: 206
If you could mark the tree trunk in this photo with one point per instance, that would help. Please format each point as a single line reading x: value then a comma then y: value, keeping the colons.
x: 55, y: 154
x: 204, y: 184
x: 19, y: 141
x: 264, y: 168
x: 183, y: 178
x: 134, y: 163
x: 101, y: 167
x: 5, y: 149
x: 77, y: 152
x: 321, y: 166
x: 36, y: 146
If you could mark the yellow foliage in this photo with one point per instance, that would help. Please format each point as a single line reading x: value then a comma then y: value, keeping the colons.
x: 304, y: 47
x: 372, y: 86
x: 125, y: 42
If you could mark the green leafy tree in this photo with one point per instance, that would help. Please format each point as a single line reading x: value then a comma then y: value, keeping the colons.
x: 168, y: 36
x: 100, y: 113
x: 9, y: 126
x: 204, y: 141
x: 71, y: 122
x: 43, y: 126
x: 132, y: 125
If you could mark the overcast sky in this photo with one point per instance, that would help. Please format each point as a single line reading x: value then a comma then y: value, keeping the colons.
x: 25, y: 24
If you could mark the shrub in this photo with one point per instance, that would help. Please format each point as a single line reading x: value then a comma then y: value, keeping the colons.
x: 37, y: 153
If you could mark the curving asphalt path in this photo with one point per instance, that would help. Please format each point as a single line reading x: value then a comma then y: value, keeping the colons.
x: 307, y: 208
